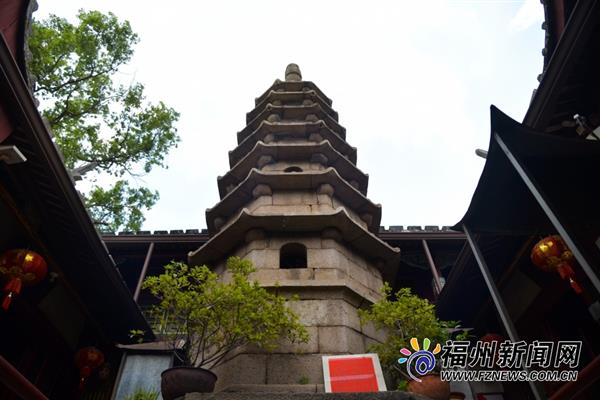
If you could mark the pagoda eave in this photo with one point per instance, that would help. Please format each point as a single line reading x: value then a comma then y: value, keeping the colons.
x: 295, y: 130
x: 297, y: 113
x: 309, y: 180
x: 292, y: 86
x: 299, y: 97
x: 294, y: 152
x: 221, y: 244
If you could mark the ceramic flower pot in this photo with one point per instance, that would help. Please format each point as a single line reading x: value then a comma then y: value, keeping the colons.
x: 431, y: 386
x: 177, y: 381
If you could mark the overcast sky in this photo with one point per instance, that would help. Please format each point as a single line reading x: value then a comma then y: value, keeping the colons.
x: 412, y: 82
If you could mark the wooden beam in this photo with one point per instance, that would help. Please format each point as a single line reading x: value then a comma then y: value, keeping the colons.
x: 497, y: 298
x: 17, y: 383
x: 507, y: 273
x: 585, y: 378
x: 551, y: 213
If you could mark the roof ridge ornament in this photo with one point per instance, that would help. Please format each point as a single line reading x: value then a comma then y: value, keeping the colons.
x: 292, y: 73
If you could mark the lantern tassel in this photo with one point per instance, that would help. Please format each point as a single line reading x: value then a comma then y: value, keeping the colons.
x: 565, y: 270
x: 575, y: 286
x: 6, y: 302
x: 12, y: 287
x: 84, y: 372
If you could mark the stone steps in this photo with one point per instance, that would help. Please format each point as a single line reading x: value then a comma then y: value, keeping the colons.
x: 303, y: 396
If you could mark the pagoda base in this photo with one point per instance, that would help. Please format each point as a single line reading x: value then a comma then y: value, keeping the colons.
x: 334, y: 328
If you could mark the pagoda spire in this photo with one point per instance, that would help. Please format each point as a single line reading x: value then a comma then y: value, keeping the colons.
x: 292, y: 73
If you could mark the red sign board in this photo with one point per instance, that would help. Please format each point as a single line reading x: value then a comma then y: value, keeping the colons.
x: 353, y: 373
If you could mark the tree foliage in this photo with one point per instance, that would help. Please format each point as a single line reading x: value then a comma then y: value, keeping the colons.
x: 143, y: 394
x: 98, y: 123
x: 214, y: 316
x: 403, y: 316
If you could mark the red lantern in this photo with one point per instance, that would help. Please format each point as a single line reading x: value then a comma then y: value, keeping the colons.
x: 552, y: 254
x: 20, y: 267
x: 492, y: 337
x: 87, y: 359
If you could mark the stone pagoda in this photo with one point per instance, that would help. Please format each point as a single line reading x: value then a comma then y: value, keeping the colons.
x: 294, y: 203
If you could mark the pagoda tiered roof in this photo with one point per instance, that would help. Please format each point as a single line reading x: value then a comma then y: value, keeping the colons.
x: 293, y: 152
x: 295, y: 113
x: 299, y: 97
x: 293, y: 172
x: 292, y: 86
x: 292, y: 130
x: 243, y: 193
x: 367, y: 243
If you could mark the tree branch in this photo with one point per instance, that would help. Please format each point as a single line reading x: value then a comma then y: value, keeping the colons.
x: 92, y: 75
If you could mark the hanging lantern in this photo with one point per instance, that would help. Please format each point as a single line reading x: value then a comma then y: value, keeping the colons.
x: 552, y: 254
x: 19, y: 268
x: 104, y: 371
x: 87, y: 359
x: 492, y: 337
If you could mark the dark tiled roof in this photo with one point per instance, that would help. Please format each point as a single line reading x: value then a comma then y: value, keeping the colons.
x: 382, y: 229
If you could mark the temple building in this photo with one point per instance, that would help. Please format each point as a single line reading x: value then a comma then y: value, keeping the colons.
x: 295, y: 203
x: 70, y: 317
x: 536, y: 183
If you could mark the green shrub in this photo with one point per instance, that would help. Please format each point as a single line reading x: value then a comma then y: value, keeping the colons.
x: 403, y: 316
x: 214, y: 316
x: 143, y: 394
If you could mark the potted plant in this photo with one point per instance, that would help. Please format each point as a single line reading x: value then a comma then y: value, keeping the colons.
x: 213, y: 315
x: 404, y: 316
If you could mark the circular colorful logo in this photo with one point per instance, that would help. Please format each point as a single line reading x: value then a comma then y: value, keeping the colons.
x: 421, y: 361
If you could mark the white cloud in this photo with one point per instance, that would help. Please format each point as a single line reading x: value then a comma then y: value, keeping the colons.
x: 530, y: 13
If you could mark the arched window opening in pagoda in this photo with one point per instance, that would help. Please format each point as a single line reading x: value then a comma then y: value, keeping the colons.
x: 292, y: 255
x: 293, y: 169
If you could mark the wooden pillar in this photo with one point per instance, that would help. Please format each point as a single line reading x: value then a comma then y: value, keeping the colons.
x: 434, y: 270
x: 17, y: 383
x: 144, y: 271
x: 498, y: 302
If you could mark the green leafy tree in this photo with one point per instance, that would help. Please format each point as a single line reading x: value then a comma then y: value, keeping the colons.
x: 99, y: 124
x: 403, y: 316
x: 214, y: 316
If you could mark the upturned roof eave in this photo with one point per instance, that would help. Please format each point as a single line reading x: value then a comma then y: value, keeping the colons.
x: 239, y: 171
x: 368, y: 244
x: 292, y: 86
x: 560, y: 61
x: 300, y: 110
x: 343, y: 191
x: 273, y: 96
x: 298, y: 128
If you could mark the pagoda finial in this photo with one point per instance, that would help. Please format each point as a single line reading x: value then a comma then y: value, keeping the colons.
x: 292, y: 73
